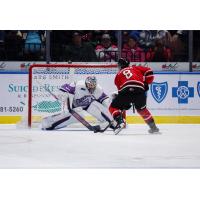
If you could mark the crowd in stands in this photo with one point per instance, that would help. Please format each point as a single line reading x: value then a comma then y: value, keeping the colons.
x: 98, y: 45
x: 22, y: 45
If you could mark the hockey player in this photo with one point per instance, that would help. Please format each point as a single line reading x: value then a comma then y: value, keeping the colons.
x: 85, y: 95
x: 132, y: 83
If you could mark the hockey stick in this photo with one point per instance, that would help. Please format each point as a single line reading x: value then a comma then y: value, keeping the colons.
x: 48, y: 90
x: 82, y: 120
x: 108, y: 120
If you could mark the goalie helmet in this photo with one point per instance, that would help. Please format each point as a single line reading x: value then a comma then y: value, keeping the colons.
x: 91, y: 83
x: 123, y: 63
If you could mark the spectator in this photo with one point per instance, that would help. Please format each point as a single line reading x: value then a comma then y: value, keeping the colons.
x: 113, y: 35
x: 147, y: 38
x: 132, y: 51
x: 2, y: 36
x: 97, y: 37
x: 165, y: 36
x: 179, y: 46
x: 196, y: 46
x: 33, y: 47
x: 159, y: 53
x: 125, y: 36
x: 59, y: 40
x: 13, y: 45
x: 2, y: 45
x: 79, y: 51
x: 92, y: 37
x: 106, y: 51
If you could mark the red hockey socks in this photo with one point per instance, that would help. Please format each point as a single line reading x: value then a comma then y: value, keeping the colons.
x: 146, y: 115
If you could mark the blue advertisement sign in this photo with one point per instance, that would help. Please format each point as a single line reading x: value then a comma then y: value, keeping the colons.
x: 183, y: 92
x: 159, y: 91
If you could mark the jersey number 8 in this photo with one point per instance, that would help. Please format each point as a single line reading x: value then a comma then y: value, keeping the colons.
x: 127, y: 73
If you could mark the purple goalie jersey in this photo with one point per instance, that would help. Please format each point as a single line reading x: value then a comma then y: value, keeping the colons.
x: 82, y: 97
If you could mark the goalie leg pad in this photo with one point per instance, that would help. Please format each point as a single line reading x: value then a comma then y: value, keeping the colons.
x: 96, y: 109
x: 57, y: 121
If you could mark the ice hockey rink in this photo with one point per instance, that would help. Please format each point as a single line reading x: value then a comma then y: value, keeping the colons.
x: 177, y: 147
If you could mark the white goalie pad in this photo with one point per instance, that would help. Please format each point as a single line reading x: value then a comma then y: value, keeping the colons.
x: 58, y: 121
x: 96, y: 109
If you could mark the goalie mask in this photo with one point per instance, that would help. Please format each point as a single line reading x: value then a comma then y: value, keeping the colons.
x: 91, y: 83
x: 123, y: 63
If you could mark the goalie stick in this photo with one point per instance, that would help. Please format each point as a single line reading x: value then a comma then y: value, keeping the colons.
x: 82, y: 120
x: 96, y: 128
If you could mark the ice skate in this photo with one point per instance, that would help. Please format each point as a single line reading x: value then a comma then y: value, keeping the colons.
x: 120, y: 124
x: 153, y: 129
x: 119, y: 127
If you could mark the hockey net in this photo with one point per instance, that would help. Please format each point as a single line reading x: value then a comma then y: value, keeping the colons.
x: 46, y: 79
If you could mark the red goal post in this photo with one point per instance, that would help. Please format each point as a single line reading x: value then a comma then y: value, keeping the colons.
x: 44, y: 77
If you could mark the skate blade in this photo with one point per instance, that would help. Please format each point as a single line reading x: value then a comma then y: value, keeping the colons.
x: 118, y: 130
x: 155, y: 133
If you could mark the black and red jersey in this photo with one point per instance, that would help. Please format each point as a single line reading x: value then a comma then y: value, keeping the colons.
x: 134, y: 76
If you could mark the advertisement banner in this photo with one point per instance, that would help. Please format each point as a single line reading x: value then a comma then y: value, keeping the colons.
x: 176, y: 94
x: 169, y: 94
x: 196, y: 66
x: 156, y: 66
x: 17, y: 65
x: 167, y: 66
x: 14, y: 91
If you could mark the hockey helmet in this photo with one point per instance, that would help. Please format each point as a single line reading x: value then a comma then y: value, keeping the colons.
x: 91, y: 83
x: 123, y: 63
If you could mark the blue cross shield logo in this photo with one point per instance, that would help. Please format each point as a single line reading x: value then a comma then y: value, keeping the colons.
x: 182, y: 92
x: 198, y: 88
x: 159, y: 91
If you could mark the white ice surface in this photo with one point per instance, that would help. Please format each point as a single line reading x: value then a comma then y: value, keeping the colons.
x: 177, y: 147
